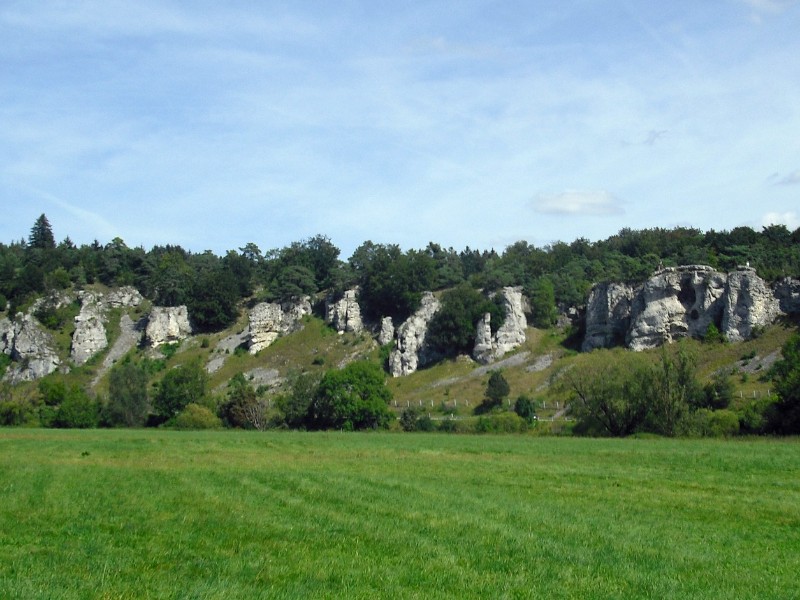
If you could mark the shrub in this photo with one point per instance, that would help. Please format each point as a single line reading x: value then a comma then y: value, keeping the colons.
x: 195, y: 416
x: 505, y: 422
x: 525, y: 408
x: 77, y: 411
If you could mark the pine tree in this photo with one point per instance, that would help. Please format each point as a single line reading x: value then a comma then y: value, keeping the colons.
x: 42, y: 235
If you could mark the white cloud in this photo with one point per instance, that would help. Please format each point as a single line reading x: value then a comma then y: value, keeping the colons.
x: 789, y: 218
x: 576, y: 202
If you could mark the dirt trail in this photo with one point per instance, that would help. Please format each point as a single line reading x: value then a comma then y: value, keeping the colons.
x: 129, y: 336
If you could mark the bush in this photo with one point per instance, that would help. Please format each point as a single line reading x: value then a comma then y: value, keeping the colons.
x: 77, y: 411
x: 195, y: 416
x: 525, y: 408
x: 711, y: 423
x: 413, y: 419
x: 505, y: 422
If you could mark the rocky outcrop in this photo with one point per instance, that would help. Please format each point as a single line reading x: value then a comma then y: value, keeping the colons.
x: 89, y: 337
x: 386, y: 334
x: 676, y: 303
x: 167, y: 325
x: 30, y: 347
x: 410, y: 352
x: 684, y: 302
x: 749, y: 303
x: 268, y: 321
x: 787, y: 293
x: 608, y: 315
x: 345, y: 315
x: 124, y: 297
x: 510, y: 335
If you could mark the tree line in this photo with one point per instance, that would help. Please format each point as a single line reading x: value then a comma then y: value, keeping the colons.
x: 391, y: 280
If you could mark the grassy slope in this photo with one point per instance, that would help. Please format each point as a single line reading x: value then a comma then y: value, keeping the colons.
x: 164, y: 514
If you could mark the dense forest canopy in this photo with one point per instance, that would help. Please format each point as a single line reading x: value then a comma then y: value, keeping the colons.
x: 391, y: 279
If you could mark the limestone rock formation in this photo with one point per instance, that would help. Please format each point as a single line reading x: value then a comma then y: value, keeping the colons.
x: 345, y: 315
x: 787, y: 293
x: 608, y: 315
x: 749, y: 303
x: 483, y: 350
x: 683, y: 302
x: 30, y: 347
x: 166, y: 325
x: 269, y: 321
x: 386, y: 334
x: 675, y: 303
x: 410, y: 352
x: 90, y: 331
x: 511, y: 333
x: 124, y: 297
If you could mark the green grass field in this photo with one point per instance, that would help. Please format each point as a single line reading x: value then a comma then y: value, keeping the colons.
x: 162, y: 514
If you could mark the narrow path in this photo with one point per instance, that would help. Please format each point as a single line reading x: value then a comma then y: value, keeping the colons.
x: 129, y: 336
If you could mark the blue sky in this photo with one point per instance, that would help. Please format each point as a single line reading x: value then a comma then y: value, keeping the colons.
x: 471, y: 123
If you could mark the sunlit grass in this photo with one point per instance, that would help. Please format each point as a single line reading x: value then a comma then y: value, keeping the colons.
x: 281, y: 515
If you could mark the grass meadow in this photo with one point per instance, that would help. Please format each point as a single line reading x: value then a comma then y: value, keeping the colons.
x: 164, y: 514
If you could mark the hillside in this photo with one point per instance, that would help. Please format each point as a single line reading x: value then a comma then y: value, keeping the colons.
x: 109, y: 334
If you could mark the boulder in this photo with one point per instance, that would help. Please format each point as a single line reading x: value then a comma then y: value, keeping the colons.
x: 484, y: 348
x: 167, y: 325
x: 89, y: 337
x: 345, y: 315
x: 410, y: 352
x: 749, y: 303
x: 268, y: 321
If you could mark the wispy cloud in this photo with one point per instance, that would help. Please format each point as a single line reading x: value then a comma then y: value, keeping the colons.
x: 792, y: 178
x: 576, y: 202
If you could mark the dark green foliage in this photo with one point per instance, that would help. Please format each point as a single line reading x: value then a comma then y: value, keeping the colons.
x: 712, y: 335
x: 671, y: 389
x: 452, y: 330
x: 3, y: 303
x: 497, y: 390
x: 54, y: 317
x: 66, y: 406
x: 296, y: 405
x: 543, y: 303
x: 718, y: 393
x: 242, y: 408
x: 128, y: 401
x: 355, y: 397
x: 77, y: 410
x: 525, y: 407
x: 607, y: 400
x: 391, y: 282
x: 5, y: 361
x: 181, y: 386
x: 213, y: 300
x: 414, y: 419
x: 41, y: 237
x: 785, y: 415
x: 292, y: 283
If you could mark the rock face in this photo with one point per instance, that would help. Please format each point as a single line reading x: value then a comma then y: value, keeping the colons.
x: 386, y: 334
x: 683, y: 302
x: 410, y: 352
x: 124, y: 297
x: 676, y: 303
x: 749, y: 303
x: 30, y: 347
x: 166, y: 325
x: 608, y: 315
x: 90, y: 331
x: 269, y: 321
x: 511, y: 333
x: 345, y: 315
